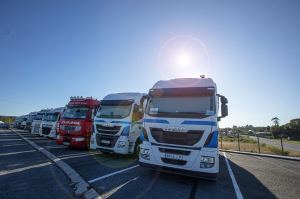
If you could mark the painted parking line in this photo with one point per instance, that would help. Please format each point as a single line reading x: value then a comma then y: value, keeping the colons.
x: 14, y: 153
x: 56, y: 147
x: 5, y: 140
x: 6, y: 172
x: 112, y: 174
x: 7, y: 134
x: 235, y: 185
x: 8, y: 145
x: 75, y: 156
x: 36, y: 138
x: 114, y: 190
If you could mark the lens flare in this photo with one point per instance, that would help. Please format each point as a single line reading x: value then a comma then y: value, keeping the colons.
x: 183, y: 56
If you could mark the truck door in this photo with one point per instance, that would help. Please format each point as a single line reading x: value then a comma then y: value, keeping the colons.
x: 136, y: 125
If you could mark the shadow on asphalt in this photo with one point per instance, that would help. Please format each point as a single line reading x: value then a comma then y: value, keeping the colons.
x: 250, y: 186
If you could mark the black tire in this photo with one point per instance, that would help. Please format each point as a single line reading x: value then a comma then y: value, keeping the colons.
x: 137, y: 147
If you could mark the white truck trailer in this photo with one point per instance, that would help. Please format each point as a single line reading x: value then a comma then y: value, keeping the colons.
x: 49, y: 122
x: 117, y: 125
x: 180, y: 127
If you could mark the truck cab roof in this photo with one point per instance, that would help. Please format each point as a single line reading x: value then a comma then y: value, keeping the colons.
x: 184, y: 82
x: 134, y: 96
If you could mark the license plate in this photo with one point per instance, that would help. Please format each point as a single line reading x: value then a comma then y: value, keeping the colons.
x: 105, y: 141
x: 173, y: 156
x: 66, y: 143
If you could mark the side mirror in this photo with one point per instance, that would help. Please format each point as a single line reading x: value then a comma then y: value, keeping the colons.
x: 224, y: 100
x: 224, y: 110
x: 135, y: 108
x: 141, y: 107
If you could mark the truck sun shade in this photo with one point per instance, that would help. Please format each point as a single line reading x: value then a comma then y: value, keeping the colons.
x: 182, y: 92
x: 116, y: 102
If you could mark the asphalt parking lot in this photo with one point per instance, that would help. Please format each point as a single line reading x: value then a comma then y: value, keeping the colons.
x: 26, y: 173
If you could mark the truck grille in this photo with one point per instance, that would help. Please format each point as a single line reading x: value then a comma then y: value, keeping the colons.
x: 107, y: 130
x: 179, y: 138
x: 171, y: 161
x: 46, y: 130
x: 174, y: 151
x: 69, y: 128
x: 106, y: 141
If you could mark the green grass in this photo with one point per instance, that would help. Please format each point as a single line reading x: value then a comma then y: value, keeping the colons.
x: 278, y: 151
x: 243, y: 139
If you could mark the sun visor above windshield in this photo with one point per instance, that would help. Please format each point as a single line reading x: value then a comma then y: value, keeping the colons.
x: 182, y: 92
x: 116, y: 102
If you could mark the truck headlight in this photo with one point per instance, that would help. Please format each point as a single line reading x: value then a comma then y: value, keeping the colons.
x: 207, y: 162
x: 145, y: 154
x: 121, y: 144
x: 92, y: 140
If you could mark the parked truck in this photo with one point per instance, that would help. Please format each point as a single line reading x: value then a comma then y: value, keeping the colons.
x: 36, y: 123
x: 75, y: 125
x: 31, y: 117
x: 118, y: 123
x: 49, y: 122
x: 180, y: 127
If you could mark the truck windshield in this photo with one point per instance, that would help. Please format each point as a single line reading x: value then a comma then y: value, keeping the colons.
x: 51, y: 117
x: 181, y: 107
x: 39, y: 116
x: 114, y: 111
x: 75, y: 113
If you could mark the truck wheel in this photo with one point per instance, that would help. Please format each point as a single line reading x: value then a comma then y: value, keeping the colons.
x: 137, y: 147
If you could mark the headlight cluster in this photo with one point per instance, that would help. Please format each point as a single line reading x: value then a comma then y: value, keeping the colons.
x: 145, y: 154
x: 207, y: 162
x: 92, y: 140
x: 121, y: 144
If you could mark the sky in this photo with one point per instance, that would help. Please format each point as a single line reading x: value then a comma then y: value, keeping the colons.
x: 53, y: 49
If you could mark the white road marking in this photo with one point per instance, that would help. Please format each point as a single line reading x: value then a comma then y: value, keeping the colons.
x: 235, y: 185
x: 36, y: 138
x: 5, y: 140
x: 7, y: 145
x: 111, y: 192
x: 75, y: 156
x: 14, y: 153
x: 55, y: 147
x: 6, y: 172
x: 112, y: 174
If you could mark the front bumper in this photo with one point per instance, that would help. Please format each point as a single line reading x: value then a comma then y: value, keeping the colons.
x: 190, y: 164
x: 194, y: 174
x: 73, y: 142
x: 114, y: 145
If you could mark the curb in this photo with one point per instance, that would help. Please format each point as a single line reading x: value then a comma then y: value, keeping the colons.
x: 263, y: 155
x: 81, y: 187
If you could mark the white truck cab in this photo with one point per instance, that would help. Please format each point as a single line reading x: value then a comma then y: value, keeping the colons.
x: 49, y: 121
x: 180, y: 127
x: 23, y: 123
x: 117, y: 124
x: 36, y: 123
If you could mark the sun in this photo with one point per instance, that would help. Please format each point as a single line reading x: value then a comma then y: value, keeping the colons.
x: 183, y: 59
x: 183, y: 56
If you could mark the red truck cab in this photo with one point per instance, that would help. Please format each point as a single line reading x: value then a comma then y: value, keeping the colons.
x: 75, y: 125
